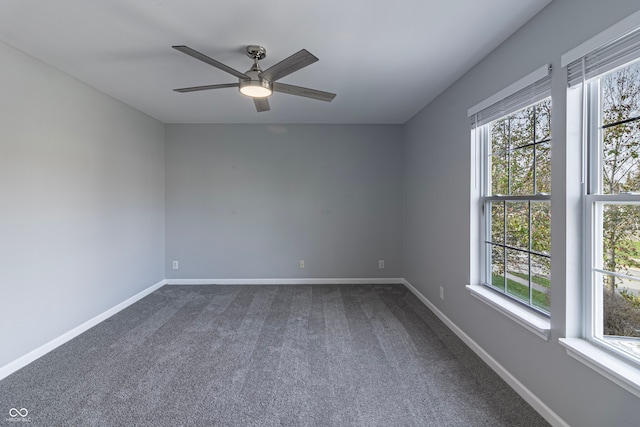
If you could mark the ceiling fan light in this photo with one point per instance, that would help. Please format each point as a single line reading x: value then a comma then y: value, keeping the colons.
x: 255, y: 88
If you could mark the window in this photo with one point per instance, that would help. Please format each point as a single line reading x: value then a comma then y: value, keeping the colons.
x: 612, y: 208
x: 512, y: 136
x: 603, y: 130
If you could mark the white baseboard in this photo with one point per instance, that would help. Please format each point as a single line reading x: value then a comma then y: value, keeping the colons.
x: 533, y: 400
x: 23, y: 361
x: 313, y: 281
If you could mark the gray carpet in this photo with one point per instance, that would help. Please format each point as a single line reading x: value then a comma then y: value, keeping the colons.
x: 322, y: 355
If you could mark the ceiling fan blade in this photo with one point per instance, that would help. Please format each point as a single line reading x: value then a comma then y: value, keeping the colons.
x: 288, y: 65
x: 262, y: 104
x: 303, y: 91
x: 197, y: 88
x: 204, y: 58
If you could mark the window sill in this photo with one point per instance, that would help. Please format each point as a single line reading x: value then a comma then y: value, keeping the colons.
x: 621, y: 372
x: 533, y: 322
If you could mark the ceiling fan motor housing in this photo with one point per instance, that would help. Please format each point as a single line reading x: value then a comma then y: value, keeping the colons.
x: 255, y: 87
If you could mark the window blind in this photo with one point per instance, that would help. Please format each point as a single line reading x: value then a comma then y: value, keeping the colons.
x: 519, y: 99
x: 605, y: 58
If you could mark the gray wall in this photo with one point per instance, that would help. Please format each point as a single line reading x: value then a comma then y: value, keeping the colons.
x: 251, y: 201
x: 437, y: 231
x: 81, y: 203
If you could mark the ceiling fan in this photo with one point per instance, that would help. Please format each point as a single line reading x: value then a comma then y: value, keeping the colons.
x: 259, y: 84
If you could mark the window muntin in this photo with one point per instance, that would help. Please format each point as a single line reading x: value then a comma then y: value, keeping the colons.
x: 613, y: 210
x: 516, y: 201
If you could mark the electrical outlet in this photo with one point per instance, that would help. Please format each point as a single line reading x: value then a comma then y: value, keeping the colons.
x: 381, y: 263
x: 441, y: 292
x: 301, y: 263
x: 175, y: 265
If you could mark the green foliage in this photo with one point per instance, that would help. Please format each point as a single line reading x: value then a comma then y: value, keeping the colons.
x: 633, y: 299
x: 539, y: 299
x: 621, y: 224
x: 521, y: 153
x: 621, y: 317
x: 541, y: 227
x: 535, y: 279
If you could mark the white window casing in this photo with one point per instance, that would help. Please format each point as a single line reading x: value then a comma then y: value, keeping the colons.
x: 522, y: 94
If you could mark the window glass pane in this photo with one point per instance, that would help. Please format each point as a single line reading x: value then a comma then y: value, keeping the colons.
x: 621, y: 239
x: 521, y: 165
x: 521, y: 128
x: 540, y: 281
x: 621, y: 317
x: 620, y: 158
x: 620, y: 94
x: 499, y: 157
x: 499, y: 137
x: 518, y: 224
x: 518, y: 274
x: 620, y: 111
x: 497, y: 266
x: 543, y: 121
x: 499, y: 175
x: 541, y: 227
x: 543, y: 168
x: 497, y: 222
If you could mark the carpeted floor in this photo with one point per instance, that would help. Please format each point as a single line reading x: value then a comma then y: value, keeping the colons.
x: 321, y: 355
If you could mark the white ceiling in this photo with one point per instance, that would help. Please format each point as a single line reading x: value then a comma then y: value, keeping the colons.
x: 384, y: 59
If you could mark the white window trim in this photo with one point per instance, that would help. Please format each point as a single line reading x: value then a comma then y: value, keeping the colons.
x: 623, y: 373
x: 510, y: 90
x: 534, y: 322
x: 617, y: 30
